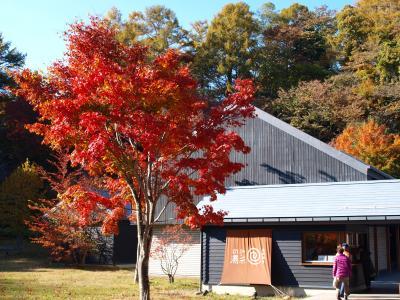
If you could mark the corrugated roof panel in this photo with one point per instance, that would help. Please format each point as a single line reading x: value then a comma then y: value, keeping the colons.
x: 334, y: 199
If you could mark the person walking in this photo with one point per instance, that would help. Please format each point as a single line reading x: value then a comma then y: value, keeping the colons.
x: 341, y: 273
x: 346, y: 252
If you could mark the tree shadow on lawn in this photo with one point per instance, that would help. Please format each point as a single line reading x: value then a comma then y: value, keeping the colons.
x: 34, y: 258
x: 24, y: 263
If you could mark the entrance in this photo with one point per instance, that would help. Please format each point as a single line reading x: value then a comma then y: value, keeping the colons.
x: 393, y: 242
x: 388, y: 244
x: 125, y: 243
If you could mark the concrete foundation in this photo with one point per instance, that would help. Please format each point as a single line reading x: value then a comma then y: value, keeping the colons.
x: 264, y: 290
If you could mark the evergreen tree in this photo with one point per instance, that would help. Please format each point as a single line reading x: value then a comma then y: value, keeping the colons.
x: 10, y: 59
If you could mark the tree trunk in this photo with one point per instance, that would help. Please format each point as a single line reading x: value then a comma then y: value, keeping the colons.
x: 171, y: 278
x: 83, y: 258
x: 143, y: 265
x: 229, y: 82
x: 136, y: 273
x: 75, y: 259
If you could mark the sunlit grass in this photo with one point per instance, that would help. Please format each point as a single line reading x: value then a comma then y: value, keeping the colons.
x: 24, y: 277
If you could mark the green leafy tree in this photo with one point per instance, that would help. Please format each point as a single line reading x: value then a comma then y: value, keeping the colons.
x: 369, y: 39
x: 24, y: 184
x: 158, y: 28
x: 229, y: 49
x: 368, y: 59
x: 296, y: 47
x: 353, y: 31
x: 197, y: 35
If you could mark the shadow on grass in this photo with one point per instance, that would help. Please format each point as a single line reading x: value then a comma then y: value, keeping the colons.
x: 34, y: 258
x: 95, y: 268
x: 22, y: 263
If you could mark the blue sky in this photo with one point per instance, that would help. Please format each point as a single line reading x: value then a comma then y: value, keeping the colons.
x: 35, y: 27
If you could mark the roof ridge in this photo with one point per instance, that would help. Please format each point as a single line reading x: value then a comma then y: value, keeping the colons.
x: 313, y: 184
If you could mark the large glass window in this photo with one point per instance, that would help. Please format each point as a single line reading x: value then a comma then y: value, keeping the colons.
x: 320, y: 247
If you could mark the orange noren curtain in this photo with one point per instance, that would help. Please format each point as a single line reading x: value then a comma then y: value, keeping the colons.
x: 247, y: 257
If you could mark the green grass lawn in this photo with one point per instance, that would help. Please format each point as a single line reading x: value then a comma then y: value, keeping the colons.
x: 30, y: 276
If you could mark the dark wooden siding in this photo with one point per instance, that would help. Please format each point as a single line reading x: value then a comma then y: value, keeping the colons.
x: 277, y: 157
x: 287, y: 268
x: 213, y: 248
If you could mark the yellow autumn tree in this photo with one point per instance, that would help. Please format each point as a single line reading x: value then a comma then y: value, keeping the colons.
x: 373, y: 144
x: 24, y: 184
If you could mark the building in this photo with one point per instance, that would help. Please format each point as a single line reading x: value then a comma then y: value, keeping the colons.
x: 304, y: 223
x: 280, y: 154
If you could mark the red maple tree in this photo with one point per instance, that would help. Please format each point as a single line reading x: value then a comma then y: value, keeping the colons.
x: 141, y: 126
x: 56, y: 223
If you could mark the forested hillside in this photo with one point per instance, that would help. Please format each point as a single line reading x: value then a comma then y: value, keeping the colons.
x: 317, y: 69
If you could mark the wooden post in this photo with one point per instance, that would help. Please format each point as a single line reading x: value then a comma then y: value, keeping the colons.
x: 376, y: 250
x: 388, y: 257
x: 397, y: 239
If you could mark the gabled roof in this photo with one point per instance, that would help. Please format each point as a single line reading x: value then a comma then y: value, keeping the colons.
x: 353, y: 200
x: 314, y: 142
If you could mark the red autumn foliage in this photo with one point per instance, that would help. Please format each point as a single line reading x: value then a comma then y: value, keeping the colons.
x: 139, y: 124
x: 56, y: 223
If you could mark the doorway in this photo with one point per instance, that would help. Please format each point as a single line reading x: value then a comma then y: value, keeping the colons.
x: 393, y: 242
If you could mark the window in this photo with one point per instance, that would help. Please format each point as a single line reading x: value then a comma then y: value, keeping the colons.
x: 320, y: 247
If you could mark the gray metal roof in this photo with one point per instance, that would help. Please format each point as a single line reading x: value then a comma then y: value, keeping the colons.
x: 360, y: 200
x: 316, y: 143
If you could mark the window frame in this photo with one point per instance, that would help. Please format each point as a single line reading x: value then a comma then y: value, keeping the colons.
x: 341, y: 236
